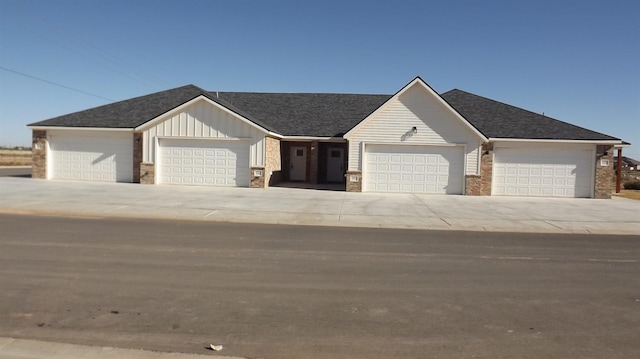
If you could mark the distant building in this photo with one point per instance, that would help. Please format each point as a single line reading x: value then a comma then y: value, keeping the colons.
x: 630, y: 168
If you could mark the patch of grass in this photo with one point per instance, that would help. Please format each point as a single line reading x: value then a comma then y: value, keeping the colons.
x: 629, y: 193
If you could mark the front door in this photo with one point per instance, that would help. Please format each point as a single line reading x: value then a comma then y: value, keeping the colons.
x: 298, y: 170
x: 335, y: 164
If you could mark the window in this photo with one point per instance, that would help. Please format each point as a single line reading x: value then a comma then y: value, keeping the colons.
x: 335, y: 154
x: 299, y: 153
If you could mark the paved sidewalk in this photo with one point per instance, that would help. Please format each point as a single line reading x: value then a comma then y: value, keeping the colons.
x: 11, y: 348
x: 279, y: 205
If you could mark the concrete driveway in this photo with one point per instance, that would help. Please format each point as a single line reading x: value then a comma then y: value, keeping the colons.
x: 280, y: 205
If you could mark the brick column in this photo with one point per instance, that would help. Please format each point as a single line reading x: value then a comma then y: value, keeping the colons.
x: 354, y: 181
x: 273, y: 162
x: 39, y: 154
x: 486, y: 169
x: 257, y: 176
x: 473, y: 185
x: 147, y: 173
x: 604, y: 172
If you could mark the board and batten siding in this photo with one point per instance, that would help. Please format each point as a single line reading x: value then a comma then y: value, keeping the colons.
x: 435, y: 124
x: 204, y: 120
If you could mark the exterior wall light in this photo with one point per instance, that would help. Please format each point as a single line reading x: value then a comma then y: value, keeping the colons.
x: 414, y: 129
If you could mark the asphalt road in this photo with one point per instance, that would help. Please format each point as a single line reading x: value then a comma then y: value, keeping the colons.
x: 15, y: 171
x: 318, y: 292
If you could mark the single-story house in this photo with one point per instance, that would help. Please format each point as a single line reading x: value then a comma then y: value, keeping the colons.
x: 415, y: 140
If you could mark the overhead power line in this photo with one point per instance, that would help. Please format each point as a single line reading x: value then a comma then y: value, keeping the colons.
x: 55, y: 84
x: 64, y: 37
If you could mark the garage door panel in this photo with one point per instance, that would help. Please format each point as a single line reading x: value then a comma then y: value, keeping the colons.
x: 414, y: 169
x: 107, y: 159
x: 204, y: 162
x: 548, y: 173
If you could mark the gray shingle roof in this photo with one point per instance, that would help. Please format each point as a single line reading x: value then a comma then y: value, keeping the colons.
x: 306, y: 114
x: 134, y: 112
x: 128, y: 113
x: 323, y: 114
x: 498, y: 120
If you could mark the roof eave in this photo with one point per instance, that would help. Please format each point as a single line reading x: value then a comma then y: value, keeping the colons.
x: 313, y: 138
x: 83, y: 128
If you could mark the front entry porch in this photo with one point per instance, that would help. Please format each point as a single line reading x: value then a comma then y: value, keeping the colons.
x: 314, y: 162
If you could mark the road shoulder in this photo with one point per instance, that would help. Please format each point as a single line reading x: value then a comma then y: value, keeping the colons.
x: 12, y: 348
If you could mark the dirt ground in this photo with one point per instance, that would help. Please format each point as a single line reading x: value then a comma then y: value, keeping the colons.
x: 629, y: 193
x: 15, y: 157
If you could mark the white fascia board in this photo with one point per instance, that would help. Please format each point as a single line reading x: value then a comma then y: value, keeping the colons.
x: 311, y: 138
x: 51, y: 128
x: 597, y: 142
x: 439, y: 98
x: 276, y: 135
x: 622, y: 145
x: 163, y: 116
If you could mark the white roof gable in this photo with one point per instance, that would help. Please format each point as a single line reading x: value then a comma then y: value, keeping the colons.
x: 164, y: 116
x: 430, y: 92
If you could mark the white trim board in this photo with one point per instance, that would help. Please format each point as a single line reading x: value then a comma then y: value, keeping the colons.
x: 597, y: 142
x: 60, y: 128
x: 311, y: 138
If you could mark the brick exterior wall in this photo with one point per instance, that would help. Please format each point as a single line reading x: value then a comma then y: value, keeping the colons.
x: 273, y: 162
x: 147, y: 173
x: 137, y: 156
x: 604, y: 183
x: 355, y: 186
x: 481, y: 185
x: 39, y: 154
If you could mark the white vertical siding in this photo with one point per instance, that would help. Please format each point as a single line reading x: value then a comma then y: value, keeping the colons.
x: 204, y: 120
x: 436, y: 125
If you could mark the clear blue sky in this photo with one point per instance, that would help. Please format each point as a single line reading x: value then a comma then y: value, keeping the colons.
x: 577, y: 61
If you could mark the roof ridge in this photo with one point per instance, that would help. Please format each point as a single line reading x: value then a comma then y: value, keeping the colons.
x: 163, y: 91
x: 300, y: 93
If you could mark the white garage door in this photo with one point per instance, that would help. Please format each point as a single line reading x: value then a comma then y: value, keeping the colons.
x: 204, y: 162
x: 108, y: 159
x: 542, y: 172
x: 414, y: 169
